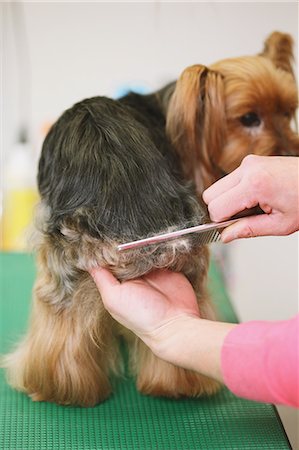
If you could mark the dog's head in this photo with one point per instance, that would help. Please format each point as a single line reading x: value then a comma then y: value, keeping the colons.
x: 219, y: 114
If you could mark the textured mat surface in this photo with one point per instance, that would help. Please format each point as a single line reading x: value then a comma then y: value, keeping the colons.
x: 127, y: 420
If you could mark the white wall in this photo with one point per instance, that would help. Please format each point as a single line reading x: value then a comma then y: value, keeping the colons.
x: 77, y: 50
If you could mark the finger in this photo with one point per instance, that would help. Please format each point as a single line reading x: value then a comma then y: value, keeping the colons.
x: 230, y: 203
x: 249, y: 227
x: 221, y: 186
x: 104, y: 280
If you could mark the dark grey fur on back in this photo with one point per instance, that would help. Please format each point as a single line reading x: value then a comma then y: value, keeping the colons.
x: 107, y: 166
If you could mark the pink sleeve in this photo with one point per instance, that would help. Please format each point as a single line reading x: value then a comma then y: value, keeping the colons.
x: 260, y: 361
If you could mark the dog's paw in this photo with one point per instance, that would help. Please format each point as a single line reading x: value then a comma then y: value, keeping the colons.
x: 175, y: 382
x: 85, y: 399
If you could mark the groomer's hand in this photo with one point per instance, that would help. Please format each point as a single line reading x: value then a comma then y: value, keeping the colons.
x: 268, y: 181
x: 161, y: 309
x: 147, y: 304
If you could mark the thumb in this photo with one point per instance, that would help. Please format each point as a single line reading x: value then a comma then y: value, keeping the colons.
x: 249, y: 227
x: 104, y: 280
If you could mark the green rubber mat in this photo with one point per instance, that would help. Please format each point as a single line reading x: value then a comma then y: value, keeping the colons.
x: 127, y: 420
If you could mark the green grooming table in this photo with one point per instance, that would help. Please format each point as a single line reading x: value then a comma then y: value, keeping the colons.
x: 127, y: 420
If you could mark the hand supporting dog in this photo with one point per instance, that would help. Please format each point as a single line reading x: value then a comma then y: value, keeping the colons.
x: 162, y: 310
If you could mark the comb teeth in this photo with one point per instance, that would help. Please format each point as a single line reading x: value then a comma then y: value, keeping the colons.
x: 208, y: 237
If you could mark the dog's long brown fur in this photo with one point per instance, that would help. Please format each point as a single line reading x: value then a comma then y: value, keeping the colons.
x: 205, y: 110
x: 71, y: 348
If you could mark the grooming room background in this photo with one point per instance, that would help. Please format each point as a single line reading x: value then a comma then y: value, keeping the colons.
x: 55, y: 54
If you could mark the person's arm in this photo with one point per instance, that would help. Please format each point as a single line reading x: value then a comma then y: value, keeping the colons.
x: 260, y: 361
x: 272, y: 182
x: 192, y: 343
x: 256, y: 360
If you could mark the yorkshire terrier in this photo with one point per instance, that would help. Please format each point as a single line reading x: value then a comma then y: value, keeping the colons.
x: 113, y: 171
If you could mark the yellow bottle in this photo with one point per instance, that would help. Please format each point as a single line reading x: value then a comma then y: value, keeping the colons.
x: 20, y: 197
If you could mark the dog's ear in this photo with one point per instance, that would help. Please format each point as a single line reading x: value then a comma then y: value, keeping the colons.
x: 195, y: 124
x: 278, y: 47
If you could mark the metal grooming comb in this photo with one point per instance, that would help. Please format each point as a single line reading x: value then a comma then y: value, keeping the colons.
x: 209, y: 232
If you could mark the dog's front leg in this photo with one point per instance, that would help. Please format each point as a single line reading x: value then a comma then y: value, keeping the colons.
x: 159, y: 378
x: 69, y: 349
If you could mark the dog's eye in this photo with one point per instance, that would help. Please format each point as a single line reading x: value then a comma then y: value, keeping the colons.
x: 250, y: 120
